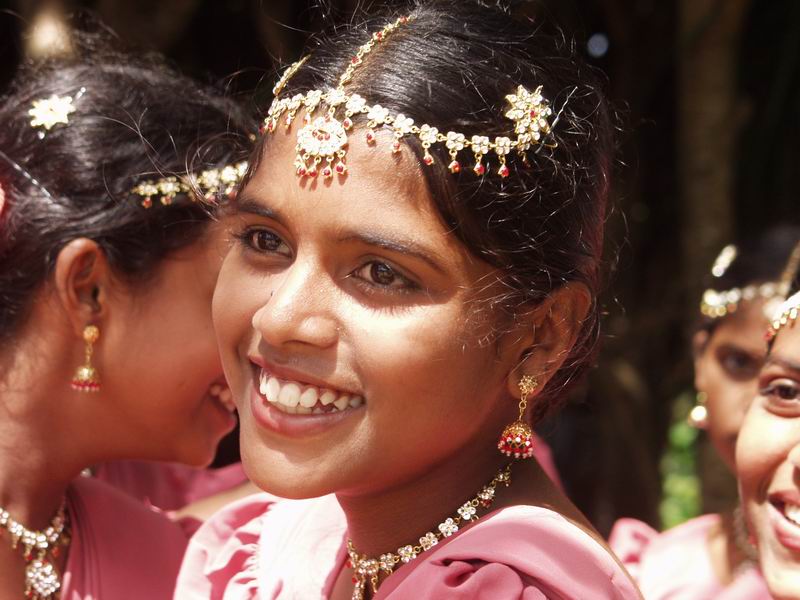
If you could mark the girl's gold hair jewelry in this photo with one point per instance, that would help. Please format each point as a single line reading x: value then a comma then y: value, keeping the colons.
x: 207, y: 185
x: 46, y: 113
x: 367, y: 571
x: 324, y: 138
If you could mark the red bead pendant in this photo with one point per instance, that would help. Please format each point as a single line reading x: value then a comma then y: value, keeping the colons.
x: 396, y: 146
x: 301, y: 171
x: 327, y: 172
x: 428, y: 159
x: 370, y: 137
x: 516, y: 441
x: 340, y: 168
x: 347, y: 123
x: 479, y: 169
x: 454, y: 166
x: 503, y: 171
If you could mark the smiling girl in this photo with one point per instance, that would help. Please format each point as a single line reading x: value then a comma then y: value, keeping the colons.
x: 414, y: 274
x: 768, y: 457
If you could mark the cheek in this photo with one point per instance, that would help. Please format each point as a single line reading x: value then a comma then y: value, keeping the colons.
x: 760, y: 450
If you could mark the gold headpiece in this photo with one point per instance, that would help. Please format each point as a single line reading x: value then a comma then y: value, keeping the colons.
x: 716, y: 304
x: 49, y: 112
x: 787, y: 311
x: 324, y: 138
x: 207, y: 185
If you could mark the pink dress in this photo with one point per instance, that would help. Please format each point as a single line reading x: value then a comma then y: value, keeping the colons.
x: 169, y: 486
x: 675, y: 565
x: 120, y: 550
x: 259, y: 548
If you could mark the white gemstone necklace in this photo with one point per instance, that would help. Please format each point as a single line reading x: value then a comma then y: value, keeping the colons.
x: 42, y: 579
x: 368, y: 570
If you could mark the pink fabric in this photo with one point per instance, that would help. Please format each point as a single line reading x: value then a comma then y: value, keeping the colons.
x: 121, y: 550
x: 169, y: 486
x: 675, y: 565
x: 259, y: 548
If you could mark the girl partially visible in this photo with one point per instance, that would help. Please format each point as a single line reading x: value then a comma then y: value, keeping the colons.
x: 108, y: 259
x: 413, y: 284
x: 710, y: 556
x: 768, y: 456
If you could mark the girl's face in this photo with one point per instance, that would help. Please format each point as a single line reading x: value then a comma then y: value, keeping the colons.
x: 159, y: 361
x: 354, y: 328
x: 768, y: 465
x: 726, y: 369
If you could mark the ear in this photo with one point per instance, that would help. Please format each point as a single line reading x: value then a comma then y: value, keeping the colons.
x: 82, y: 281
x: 699, y: 344
x: 551, y: 330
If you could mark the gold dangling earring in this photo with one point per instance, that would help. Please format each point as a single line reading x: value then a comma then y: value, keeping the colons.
x: 698, y: 416
x: 86, y: 378
x: 516, y: 440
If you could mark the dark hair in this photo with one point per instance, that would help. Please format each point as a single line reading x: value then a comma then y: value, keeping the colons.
x: 451, y: 66
x: 137, y: 119
x: 759, y: 259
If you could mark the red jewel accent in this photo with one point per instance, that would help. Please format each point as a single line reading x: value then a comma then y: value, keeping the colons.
x: 354, y: 60
x: 479, y: 169
x: 301, y: 171
x: 340, y: 168
x: 327, y: 173
x: 427, y: 159
x: 396, y: 146
x: 404, y: 20
x: 29, y: 593
x: 454, y: 166
x: 312, y: 172
x: 503, y: 171
x: 56, y: 552
x: 147, y: 202
x: 262, y: 128
x: 327, y: 136
x: 347, y: 123
x: 370, y: 137
x: 533, y: 114
x: 354, y: 579
x: 349, y: 564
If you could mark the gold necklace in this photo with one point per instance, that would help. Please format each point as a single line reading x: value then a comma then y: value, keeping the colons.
x: 42, y: 579
x: 368, y: 570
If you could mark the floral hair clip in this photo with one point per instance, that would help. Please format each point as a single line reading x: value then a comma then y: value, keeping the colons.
x: 49, y: 112
x: 324, y: 138
x: 206, y: 185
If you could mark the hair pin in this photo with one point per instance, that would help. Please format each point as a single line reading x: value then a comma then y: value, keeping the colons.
x: 46, y: 113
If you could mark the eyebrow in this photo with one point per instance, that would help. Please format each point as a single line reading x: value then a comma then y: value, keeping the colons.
x: 405, y: 247
x: 783, y: 362
x: 250, y: 206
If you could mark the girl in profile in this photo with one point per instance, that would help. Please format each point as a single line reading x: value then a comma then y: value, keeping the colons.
x: 108, y: 259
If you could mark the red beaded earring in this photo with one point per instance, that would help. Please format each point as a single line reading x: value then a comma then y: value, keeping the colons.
x: 86, y: 378
x: 516, y: 440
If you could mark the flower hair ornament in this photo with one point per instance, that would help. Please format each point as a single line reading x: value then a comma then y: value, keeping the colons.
x: 322, y: 141
x: 46, y: 113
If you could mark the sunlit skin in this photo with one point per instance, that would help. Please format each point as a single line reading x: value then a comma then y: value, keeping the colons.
x: 356, y: 285
x: 727, y: 362
x: 768, y: 465
x: 156, y: 356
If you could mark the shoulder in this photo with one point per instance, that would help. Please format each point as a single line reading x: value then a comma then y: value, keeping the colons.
x: 119, y: 545
x: 223, y: 555
x: 518, y: 552
x: 666, y: 563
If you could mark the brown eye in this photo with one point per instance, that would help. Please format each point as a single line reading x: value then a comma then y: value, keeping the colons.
x: 264, y: 241
x: 382, y: 274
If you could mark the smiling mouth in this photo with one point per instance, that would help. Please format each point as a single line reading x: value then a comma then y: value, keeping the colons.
x: 789, y: 510
x: 293, y: 397
x: 222, y: 394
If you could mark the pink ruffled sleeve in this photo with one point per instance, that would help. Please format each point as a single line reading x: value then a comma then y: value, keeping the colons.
x: 524, y: 553
x: 629, y: 538
x: 222, y: 558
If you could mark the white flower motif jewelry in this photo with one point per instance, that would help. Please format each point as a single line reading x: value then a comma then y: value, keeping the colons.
x: 323, y: 139
x: 49, y: 112
x: 42, y: 579
x: 367, y: 571
x: 208, y: 184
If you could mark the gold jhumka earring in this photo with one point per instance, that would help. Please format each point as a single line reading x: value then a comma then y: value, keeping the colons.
x: 86, y: 378
x: 516, y: 440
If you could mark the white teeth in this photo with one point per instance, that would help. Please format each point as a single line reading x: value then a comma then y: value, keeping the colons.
x: 327, y: 397
x: 792, y: 513
x: 309, y: 398
x: 295, y: 398
x: 290, y: 394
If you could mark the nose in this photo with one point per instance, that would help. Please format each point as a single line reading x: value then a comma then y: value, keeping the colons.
x: 298, y: 309
x: 794, y: 456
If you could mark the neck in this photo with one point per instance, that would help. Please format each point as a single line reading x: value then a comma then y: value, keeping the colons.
x: 37, y: 459
x: 382, y: 521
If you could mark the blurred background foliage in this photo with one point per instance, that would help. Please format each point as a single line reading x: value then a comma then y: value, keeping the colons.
x: 708, y: 93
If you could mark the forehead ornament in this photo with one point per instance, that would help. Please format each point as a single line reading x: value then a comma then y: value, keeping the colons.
x: 322, y: 141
